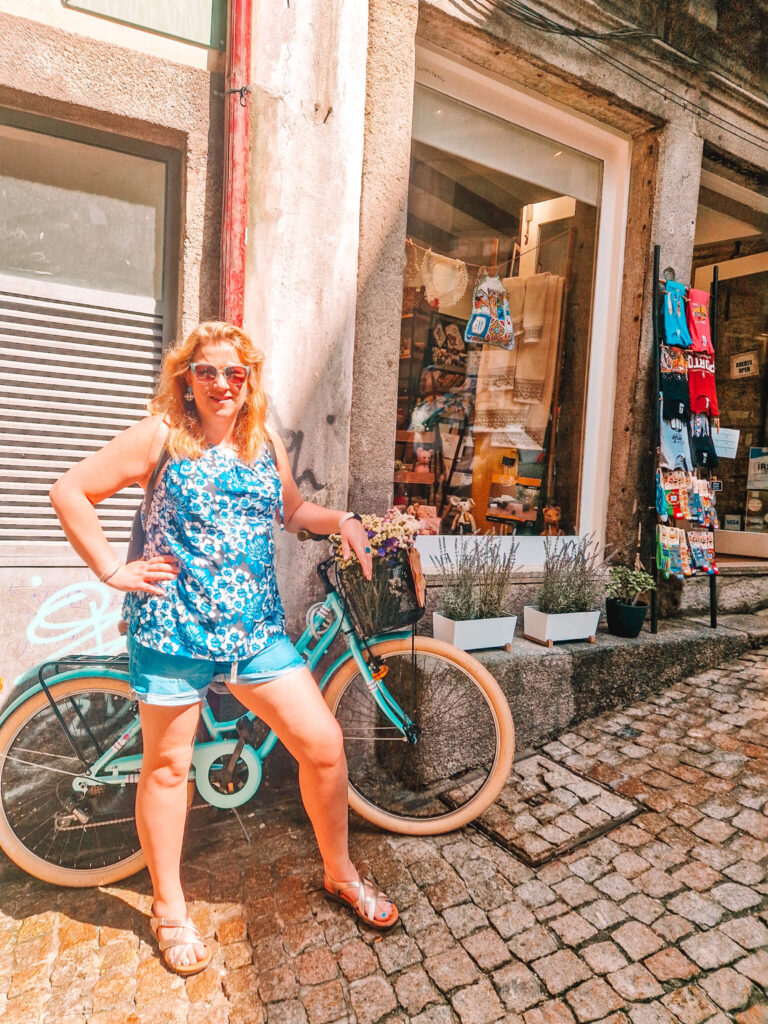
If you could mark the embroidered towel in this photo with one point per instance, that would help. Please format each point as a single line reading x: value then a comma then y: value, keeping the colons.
x: 534, y: 307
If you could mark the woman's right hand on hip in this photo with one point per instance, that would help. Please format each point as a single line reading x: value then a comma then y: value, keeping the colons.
x: 145, y: 574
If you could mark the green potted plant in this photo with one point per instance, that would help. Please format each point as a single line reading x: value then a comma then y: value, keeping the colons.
x: 476, y: 579
x: 568, y: 605
x: 625, y: 616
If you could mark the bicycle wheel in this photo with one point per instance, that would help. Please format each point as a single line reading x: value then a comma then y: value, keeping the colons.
x: 465, y: 738
x: 48, y: 829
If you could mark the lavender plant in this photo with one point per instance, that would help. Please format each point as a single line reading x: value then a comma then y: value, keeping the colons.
x: 476, y: 578
x: 572, y: 576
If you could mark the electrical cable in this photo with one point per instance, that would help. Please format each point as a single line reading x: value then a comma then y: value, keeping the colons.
x: 743, y: 134
x: 588, y: 40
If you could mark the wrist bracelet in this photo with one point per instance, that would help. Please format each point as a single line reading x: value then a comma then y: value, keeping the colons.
x: 349, y: 515
x: 109, y: 573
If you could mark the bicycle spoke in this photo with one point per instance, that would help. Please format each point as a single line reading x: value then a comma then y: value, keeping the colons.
x: 456, y: 746
x: 37, y: 795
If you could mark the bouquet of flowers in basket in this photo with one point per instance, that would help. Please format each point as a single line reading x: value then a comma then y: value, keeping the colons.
x: 388, y: 598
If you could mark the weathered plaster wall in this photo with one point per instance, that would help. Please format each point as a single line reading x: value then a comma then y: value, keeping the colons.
x: 54, y: 14
x: 307, y: 110
x: 56, y: 607
x: 383, y: 209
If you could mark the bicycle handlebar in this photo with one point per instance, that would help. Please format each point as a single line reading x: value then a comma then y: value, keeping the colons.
x: 304, y: 535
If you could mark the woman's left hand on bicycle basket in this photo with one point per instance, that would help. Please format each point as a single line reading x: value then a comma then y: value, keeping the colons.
x: 354, y: 538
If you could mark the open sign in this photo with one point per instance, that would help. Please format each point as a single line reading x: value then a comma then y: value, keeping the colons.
x: 745, y: 364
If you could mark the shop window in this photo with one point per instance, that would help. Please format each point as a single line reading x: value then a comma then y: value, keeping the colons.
x: 732, y: 233
x: 87, y: 236
x: 503, y: 222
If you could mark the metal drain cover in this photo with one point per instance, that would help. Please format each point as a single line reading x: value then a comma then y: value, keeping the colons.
x: 546, y: 810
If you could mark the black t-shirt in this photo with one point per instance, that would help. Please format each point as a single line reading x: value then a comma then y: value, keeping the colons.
x: 704, y: 454
x: 674, y: 383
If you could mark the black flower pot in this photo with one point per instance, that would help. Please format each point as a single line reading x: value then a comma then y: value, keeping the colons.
x: 625, y: 619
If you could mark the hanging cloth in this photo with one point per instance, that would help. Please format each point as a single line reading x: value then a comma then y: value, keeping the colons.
x: 674, y: 382
x: 445, y: 280
x: 490, y: 322
x: 675, y: 447
x: 704, y: 454
x: 675, y: 325
x: 515, y: 288
x: 697, y: 311
x: 701, y: 383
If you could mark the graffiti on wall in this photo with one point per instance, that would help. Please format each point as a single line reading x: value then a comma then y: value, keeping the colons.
x: 294, y: 442
x: 79, y: 618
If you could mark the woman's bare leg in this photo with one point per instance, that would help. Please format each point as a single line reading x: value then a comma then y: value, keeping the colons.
x: 293, y: 706
x: 161, y: 810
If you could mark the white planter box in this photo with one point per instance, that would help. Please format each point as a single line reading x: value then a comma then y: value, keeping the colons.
x: 474, y: 634
x: 549, y: 629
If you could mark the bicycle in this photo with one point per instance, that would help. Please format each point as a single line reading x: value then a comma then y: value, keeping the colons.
x: 428, y: 736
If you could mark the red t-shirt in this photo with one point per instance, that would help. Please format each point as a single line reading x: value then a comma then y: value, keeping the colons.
x: 697, y: 315
x: 701, y: 383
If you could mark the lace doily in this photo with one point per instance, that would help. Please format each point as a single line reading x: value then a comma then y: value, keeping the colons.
x: 412, y: 277
x: 445, y: 280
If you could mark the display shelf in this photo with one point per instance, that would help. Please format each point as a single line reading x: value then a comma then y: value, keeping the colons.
x: 410, y: 476
x: 422, y: 436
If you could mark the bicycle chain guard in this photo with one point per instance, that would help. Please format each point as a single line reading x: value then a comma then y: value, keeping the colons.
x: 211, y: 759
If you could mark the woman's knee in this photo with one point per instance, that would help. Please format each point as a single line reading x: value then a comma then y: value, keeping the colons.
x: 326, y: 749
x: 168, y: 767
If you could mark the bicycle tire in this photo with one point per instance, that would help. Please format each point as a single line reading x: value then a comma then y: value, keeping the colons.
x: 36, y: 719
x: 373, y: 784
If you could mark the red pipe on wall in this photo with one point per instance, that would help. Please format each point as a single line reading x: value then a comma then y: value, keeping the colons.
x: 234, y: 221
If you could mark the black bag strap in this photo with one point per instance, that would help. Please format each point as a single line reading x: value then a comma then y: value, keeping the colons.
x: 152, y: 482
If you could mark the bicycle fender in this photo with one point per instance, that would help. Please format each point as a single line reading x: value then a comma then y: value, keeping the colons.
x: 395, y: 634
x: 61, y: 678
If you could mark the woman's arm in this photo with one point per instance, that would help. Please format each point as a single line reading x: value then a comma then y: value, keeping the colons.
x: 305, y: 515
x: 129, y: 458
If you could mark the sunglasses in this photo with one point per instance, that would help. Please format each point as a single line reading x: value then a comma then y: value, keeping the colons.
x: 207, y: 374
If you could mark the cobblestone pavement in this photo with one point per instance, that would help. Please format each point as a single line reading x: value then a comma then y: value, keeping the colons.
x: 663, y: 919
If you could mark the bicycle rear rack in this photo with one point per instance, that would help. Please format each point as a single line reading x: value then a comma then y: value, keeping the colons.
x: 54, y: 668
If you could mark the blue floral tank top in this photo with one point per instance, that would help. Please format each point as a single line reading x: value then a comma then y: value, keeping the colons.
x: 215, y: 515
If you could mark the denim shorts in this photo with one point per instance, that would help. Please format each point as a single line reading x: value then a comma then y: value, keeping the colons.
x: 175, y: 680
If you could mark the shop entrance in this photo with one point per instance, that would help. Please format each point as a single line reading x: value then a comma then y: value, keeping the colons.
x: 732, y: 233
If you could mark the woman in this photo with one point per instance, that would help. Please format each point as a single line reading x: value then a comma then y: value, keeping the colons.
x: 202, y: 603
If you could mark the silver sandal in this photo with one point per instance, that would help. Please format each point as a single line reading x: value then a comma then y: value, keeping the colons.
x: 165, y: 944
x: 368, y: 895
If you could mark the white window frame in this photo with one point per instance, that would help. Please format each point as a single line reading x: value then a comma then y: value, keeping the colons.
x: 440, y: 70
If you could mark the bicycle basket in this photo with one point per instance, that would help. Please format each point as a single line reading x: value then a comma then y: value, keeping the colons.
x: 386, y: 601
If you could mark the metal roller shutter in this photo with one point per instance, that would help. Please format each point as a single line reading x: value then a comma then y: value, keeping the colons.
x: 75, y: 371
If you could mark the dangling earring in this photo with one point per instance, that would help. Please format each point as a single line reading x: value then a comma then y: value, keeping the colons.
x: 189, y: 393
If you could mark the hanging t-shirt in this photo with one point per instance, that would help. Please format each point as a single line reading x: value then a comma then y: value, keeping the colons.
x: 675, y: 326
x: 697, y: 313
x: 675, y: 447
x: 704, y: 454
x: 674, y: 382
x: 701, y: 383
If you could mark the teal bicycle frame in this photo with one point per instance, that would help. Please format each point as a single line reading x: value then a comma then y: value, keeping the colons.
x: 328, y: 620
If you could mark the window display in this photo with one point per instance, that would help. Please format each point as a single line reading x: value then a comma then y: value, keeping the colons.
x: 497, y: 303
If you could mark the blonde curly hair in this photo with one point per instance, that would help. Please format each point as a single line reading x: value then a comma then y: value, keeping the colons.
x: 185, y: 439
